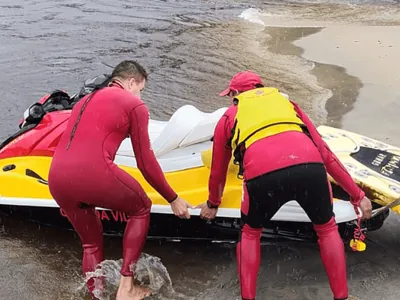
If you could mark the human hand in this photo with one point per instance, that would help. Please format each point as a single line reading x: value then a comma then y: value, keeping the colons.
x: 366, y: 208
x: 207, y: 213
x: 180, y: 208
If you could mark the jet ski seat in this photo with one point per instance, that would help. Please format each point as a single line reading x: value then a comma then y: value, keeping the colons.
x: 187, y: 126
x: 177, y: 143
x: 204, y: 129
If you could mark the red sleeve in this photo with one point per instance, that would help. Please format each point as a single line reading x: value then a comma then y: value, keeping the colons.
x: 145, y: 158
x: 333, y: 165
x: 221, y: 156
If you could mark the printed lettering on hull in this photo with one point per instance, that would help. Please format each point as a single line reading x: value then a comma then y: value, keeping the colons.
x: 383, y: 162
x: 107, y: 215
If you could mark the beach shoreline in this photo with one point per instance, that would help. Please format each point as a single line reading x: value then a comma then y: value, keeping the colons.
x: 344, y: 88
x: 353, y: 52
x: 368, y: 53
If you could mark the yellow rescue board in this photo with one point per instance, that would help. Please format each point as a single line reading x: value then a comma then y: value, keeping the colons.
x: 374, y: 165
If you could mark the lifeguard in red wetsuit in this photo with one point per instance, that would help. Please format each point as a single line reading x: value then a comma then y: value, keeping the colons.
x: 83, y: 175
x: 281, y: 157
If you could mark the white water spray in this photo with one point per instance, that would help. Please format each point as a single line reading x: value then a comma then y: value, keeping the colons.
x: 149, y: 271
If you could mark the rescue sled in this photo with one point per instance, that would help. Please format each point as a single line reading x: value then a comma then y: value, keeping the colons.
x: 182, y: 146
x: 374, y: 165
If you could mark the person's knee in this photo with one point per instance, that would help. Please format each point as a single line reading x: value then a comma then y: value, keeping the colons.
x: 327, y: 227
x: 141, y: 211
x: 253, y: 222
x: 320, y: 213
x: 140, y: 206
x: 252, y: 232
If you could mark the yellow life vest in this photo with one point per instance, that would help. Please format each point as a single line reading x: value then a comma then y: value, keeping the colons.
x: 262, y: 112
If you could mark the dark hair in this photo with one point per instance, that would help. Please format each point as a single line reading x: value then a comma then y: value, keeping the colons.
x: 129, y: 68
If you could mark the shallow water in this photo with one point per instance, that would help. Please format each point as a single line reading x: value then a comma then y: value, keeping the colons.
x: 192, y: 49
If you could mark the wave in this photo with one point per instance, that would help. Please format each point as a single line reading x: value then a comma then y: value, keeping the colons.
x: 323, y: 13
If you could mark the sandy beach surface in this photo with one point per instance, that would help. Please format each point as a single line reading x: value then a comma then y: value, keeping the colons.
x: 372, y: 54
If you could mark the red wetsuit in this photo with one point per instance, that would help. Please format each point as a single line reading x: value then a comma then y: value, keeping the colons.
x: 268, y: 155
x: 83, y: 175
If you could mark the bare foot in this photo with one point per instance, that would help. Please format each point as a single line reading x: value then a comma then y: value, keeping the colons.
x: 129, y: 291
x: 135, y: 293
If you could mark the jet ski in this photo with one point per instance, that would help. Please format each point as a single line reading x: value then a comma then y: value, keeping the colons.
x: 182, y: 146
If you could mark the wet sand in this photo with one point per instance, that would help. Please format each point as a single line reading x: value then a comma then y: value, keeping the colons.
x: 50, y: 268
x: 372, y: 54
x: 343, y: 88
x: 358, y: 65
